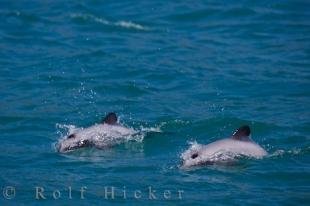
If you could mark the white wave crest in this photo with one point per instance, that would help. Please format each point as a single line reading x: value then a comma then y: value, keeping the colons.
x: 293, y: 151
x: 122, y: 23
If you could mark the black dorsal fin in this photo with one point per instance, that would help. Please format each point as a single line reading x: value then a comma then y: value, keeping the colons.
x: 111, y: 118
x: 242, y: 133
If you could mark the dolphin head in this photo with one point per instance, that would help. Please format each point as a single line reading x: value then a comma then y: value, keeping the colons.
x: 191, y: 156
x: 82, y: 139
x: 72, y: 142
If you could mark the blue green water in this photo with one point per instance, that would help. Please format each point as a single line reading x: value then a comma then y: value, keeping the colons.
x: 191, y: 70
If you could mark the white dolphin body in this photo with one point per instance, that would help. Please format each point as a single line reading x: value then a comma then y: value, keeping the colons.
x: 225, y: 150
x: 99, y: 135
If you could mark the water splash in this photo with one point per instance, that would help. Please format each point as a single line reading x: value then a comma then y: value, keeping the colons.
x: 66, y: 129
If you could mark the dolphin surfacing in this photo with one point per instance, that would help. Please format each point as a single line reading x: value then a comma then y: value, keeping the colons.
x: 109, y: 132
x: 224, y: 150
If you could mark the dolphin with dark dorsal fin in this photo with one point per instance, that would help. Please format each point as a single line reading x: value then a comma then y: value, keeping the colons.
x: 107, y: 133
x: 225, y: 150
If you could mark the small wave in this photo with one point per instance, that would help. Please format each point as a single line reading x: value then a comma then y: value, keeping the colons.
x: 151, y: 129
x: 122, y: 23
x: 290, y: 152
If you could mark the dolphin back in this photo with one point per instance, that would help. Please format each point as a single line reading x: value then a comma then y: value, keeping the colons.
x: 225, y: 150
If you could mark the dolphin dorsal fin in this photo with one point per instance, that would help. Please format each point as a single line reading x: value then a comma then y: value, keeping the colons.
x: 243, y: 133
x: 111, y: 118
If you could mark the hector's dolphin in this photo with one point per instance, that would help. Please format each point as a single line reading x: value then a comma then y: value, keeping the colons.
x: 107, y: 133
x: 223, y: 151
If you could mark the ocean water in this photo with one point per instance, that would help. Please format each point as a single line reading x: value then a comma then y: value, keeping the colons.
x: 181, y: 71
